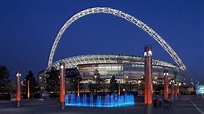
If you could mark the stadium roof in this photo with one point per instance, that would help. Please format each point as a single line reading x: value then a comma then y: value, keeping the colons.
x: 72, y: 62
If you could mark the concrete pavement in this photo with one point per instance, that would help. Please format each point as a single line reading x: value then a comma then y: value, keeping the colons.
x: 185, y: 105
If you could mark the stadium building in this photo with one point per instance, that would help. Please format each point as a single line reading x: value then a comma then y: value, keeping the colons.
x: 124, y: 67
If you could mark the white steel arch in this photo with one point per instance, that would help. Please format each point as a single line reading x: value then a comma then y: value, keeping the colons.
x: 125, y: 16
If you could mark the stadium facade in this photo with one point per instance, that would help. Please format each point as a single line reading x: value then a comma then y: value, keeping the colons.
x: 124, y: 67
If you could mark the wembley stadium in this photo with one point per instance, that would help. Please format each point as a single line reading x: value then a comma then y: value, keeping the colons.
x: 123, y: 67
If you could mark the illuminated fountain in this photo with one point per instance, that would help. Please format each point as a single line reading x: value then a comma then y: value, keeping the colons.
x: 108, y: 100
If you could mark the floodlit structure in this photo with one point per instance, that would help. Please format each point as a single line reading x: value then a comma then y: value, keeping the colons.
x: 125, y: 67
x: 127, y: 17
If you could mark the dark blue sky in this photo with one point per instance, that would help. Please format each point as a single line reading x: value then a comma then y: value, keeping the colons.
x: 28, y: 29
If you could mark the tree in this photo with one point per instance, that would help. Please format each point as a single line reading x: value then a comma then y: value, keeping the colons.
x: 113, y: 84
x: 74, y: 78
x: 33, y: 83
x: 4, y: 81
x: 53, y: 81
x: 98, y: 80
x: 11, y: 86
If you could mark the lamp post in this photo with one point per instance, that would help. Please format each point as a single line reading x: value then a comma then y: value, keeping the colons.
x: 119, y: 88
x: 18, y: 88
x: 175, y: 91
x: 95, y: 77
x: 172, y: 90
x: 127, y: 79
x: 148, y: 79
x: 178, y: 91
x: 78, y: 86
x: 62, y: 85
x: 126, y: 84
x: 166, y: 85
x: 28, y: 94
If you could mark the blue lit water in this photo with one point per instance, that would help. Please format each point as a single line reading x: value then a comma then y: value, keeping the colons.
x: 109, y: 100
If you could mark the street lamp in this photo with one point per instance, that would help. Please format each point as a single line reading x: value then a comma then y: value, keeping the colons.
x: 172, y: 90
x: 95, y: 88
x: 166, y: 85
x: 78, y: 91
x: 18, y: 88
x: 176, y: 91
x: 148, y: 79
x: 62, y: 85
x: 119, y: 88
x: 127, y: 79
x: 95, y: 78
x: 28, y: 90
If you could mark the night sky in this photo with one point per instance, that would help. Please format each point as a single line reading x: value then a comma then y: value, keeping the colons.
x: 28, y: 29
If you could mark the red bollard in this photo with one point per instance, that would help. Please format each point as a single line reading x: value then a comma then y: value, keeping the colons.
x: 176, y: 91
x: 28, y: 94
x: 172, y: 90
x: 78, y: 90
x: 166, y: 85
x: 62, y: 85
x: 18, y: 88
x: 119, y: 88
x: 148, y: 79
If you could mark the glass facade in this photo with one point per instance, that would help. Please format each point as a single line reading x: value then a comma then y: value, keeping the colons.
x: 125, y: 72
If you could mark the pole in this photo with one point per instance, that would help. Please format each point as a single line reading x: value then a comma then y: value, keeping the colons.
x: 178, y: 90
x: 172, y: 90
x: 148, y: 79
x: 166, y: 85
x: 175, y: 91
x: 119, y: 88
x: 28, y: 94
x: 18, y: 88
x: 62, y: 85
x: 78, y: 88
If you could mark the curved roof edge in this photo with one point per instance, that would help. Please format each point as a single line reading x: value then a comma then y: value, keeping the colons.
x: 71, y: 62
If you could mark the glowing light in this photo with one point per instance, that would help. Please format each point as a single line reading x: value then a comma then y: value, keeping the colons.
x: 62, y: 66
x: 112, y: 100
x: 145, y: 53
x: 166, y: 73
x: 179, y: 84
x: 18, y: 74
x: 172, y: 80
x: 150, y: 53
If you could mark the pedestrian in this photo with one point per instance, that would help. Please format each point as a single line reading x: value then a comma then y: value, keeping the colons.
x: 155, y: 102
x: 160, y: 102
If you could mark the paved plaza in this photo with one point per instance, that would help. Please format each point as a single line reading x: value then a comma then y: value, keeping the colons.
x: 185, y: 105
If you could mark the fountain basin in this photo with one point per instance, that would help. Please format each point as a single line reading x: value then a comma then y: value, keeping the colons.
x: 109, y: 100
